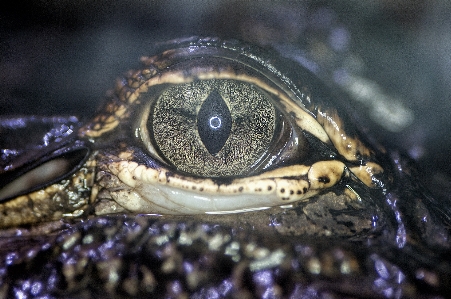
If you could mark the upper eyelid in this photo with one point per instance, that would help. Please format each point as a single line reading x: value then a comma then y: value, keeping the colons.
x: 129, y: 95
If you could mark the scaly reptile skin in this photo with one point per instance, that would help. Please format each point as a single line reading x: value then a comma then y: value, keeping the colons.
x: 356, y: 222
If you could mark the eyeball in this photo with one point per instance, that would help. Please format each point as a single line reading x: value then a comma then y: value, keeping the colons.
x: 214, y: 128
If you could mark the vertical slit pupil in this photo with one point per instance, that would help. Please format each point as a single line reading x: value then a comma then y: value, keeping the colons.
x: 214, y: 122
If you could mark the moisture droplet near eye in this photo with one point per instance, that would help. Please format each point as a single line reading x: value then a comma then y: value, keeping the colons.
x: 212, y: 127
x: 214, y: 122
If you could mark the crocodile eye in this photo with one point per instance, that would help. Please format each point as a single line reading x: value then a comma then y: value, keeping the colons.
x: 215, y: 128
x: 211, y: 127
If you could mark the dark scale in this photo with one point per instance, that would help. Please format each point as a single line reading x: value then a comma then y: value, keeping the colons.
x: 214, y: 122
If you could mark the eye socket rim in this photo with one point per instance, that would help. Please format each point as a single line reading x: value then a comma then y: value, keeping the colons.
x: 186, y: 64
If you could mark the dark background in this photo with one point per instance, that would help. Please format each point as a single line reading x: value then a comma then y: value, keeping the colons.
x: 60, y: 57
